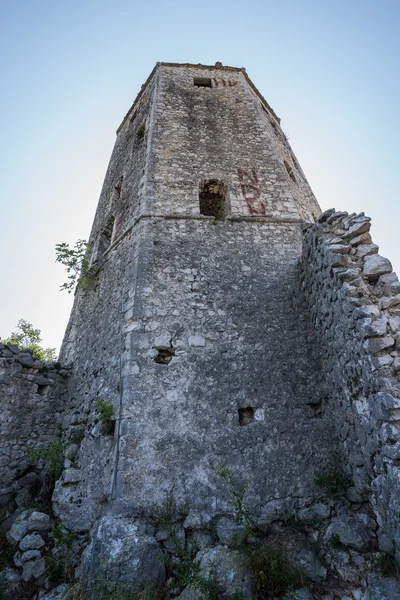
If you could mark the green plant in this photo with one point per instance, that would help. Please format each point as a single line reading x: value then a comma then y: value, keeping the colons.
x: 386, y: 565
x: 53, y: 455
x: 106, y: 413
x: 236, y: 495
x: 273, y: 572
x: 26, y: 336
x: 6, y: 552
x: 77, y: 262
x: 333, y: 481
x: 54, y: 569
x: 61, y: 536
x: 289, y: 596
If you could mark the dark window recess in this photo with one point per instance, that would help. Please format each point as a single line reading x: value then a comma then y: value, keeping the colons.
x: 141, y: 131
x: 43, y: 390
x: 246, y: 415
x: 289, y: 169
x: 106, y: 236
x: 202, y: 82
x: 133, y: 117
x: 165, y: 355
x: 118, y: 187
x: 212, y: 198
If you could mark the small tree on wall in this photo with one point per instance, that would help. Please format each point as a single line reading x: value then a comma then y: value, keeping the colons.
x: 76, y: 261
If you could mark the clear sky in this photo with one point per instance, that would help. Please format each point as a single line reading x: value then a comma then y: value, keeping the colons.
x: 70, y: 70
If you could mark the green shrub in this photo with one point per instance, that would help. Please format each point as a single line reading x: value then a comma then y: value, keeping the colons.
x: 53, y: 455
x: 333, y: 481
x: 61, y: 536
x: 386, y: 566
x: 106, y: 413
x: 273, y: 572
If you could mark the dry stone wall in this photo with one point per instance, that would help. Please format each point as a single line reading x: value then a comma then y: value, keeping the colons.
x: 32, y: 396
x: 354, y: 299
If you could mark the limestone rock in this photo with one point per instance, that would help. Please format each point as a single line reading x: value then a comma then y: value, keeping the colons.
x: 28, y: 521
x: 33, y: 569
x: 376, y: 265
x: 31, y: 542
x: 350, y: 532
x: 315, y: 512
x: 228, y: 567
x: 122, y: 551
x: 56, y: 593
x: 230, y: 533
x: 382, y: 589
x: 308, y: 562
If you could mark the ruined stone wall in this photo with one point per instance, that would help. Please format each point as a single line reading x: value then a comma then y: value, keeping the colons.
x: 32, y: 396
x: 354, y: 299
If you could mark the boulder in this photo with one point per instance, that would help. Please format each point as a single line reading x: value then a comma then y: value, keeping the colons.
x: 28, y: 521
x: 122, y: 551
x: 376, y: 265
x: 382, y: 589
x: 228, y: 567
x: 230, y: 533
x: 32, y: 541
x: 349, y: 532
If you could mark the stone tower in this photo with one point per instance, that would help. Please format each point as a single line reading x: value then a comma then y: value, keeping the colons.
x: 194, y: 329
x: 204, y: 329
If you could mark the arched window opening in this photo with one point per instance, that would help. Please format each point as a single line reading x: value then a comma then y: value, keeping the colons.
x: 212, y: 198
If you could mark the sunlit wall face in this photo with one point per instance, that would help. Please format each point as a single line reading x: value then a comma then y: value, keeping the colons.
x: 70, y: 73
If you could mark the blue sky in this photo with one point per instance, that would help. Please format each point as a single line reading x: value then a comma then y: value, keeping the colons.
x: 70, y: 71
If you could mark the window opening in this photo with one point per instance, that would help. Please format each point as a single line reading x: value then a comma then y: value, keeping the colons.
x: 106, y: 236
x: 212, y: 198
x: 164, y: 355
x: 246, y: 415
x: 202, y: 82
x: 289, y: 169
x: 118, y: 187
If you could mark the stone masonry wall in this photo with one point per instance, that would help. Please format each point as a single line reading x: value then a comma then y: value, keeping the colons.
x: 31, y: 404
x: 354, y: 300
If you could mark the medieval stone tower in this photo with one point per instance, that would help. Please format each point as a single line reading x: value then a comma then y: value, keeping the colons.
x: 242, y: 342
x: 194, y: 329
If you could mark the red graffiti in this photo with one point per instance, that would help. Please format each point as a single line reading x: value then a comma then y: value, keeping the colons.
x: 251, y: 191
x: 224, y: 83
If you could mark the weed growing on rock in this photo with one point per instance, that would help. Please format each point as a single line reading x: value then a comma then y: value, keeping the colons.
x: 386, y: 565
x: 62, y: 537
x: 53, y: 455
x: 106, y: 413
x: 333, y: 482
x: 272, y: 569
x: 236, y: 495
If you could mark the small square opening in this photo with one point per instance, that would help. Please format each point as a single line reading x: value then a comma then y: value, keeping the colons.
x: 212, y: 198
x: 246, y: 415
x: 202, y: 82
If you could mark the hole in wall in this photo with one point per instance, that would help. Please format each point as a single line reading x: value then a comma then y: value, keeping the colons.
x: 202, y: 82
x: 118, y: 186
x: 43, y: 390
x: 212, y: 198
x: 246, y: 415
x: 164, y: 354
